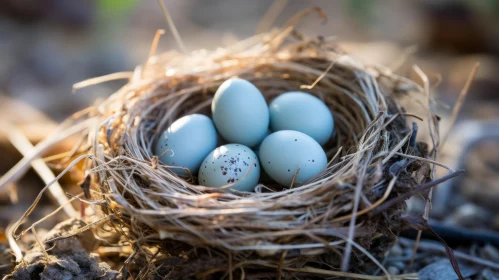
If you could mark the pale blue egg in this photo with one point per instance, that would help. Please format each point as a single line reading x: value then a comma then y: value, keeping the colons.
x: 286, y: 152
x: 302, y: 112
x: 186, y: 143
x: 240, y: 112
x: 228, y: 164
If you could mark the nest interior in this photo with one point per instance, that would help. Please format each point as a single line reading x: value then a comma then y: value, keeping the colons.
x: 372, y: 158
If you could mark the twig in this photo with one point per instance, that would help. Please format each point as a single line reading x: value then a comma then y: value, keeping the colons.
x: 420, y: 223
x: 16, y: 172
x: 23, y: 145
x: 46, y: 217
x: 155, y: 42
x: 39, y: 196
x: 460, y: 255
x: 271, y: 15
x: 321, y: 76
x: 154, y: 46
x: 433, y: 130
x: 459, y: 103
x: 42, y: 247
x: 13, y: 244
x: 172, y: 27
x: 419, y: 189
x: 345, y: 263
x: 374, y: 205
x: 102, y: 79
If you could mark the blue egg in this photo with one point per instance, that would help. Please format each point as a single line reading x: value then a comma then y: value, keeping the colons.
x: 230, y: 164
x: 186, y: 143
x: 240, y: 112
x: 286, y: 153
x: 302, y: 112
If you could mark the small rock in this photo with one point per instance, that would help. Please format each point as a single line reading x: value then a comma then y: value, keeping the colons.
x: 393, y: 270
x: 442, y: 270
x: 396, y: 250
x: 399, y: 265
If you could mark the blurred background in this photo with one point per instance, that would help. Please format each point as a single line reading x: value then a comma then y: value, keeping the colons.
x: 48, y: 45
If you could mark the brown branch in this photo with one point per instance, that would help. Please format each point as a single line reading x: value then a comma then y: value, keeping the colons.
x: 417, y: 190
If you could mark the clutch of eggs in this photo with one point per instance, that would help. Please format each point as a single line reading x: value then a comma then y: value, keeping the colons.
x: 283, y: 138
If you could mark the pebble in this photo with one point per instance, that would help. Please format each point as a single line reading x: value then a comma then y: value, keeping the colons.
x: 396, y: 250
x: 393, y: 270
x: 442, y: 270
x: 399, y: 265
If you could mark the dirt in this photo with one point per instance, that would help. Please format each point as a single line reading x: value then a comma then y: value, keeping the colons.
x: 68, y: 258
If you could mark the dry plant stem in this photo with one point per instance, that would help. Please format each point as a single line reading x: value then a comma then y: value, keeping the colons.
x: 271, y: 15
x: 16, y: 172
x: 345, y: 263
x: 374, y: 205
x: 42, y: 247
x: 426, y: 160
x: 320, y: 77
x: 23, y: 145
x: 433, y: 247
x: 154, y: 46
x: 50, y: 215
x: 459, y: 103
x: 433, y: 130
x: 155, y: 42
x: 13, y: 244
x: 419, y: 189
x: 37, y: 199
x: 172, y: 27
x: 102, y: 79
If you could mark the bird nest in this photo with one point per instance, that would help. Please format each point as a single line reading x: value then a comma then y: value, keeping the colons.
x: 335, y: 220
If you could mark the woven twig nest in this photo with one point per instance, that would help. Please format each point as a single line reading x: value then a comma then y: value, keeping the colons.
x: 277, y: 229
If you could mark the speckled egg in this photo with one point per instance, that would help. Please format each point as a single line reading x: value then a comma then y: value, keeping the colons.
x: 286, y: 152
x: 186, y: 143
x: 231, y: 163
x: 240, y: 112
x: 302, y: 112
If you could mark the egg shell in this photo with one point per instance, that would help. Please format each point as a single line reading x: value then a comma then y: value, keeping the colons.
x: 232, y: 163
x: 189, y: 139
x: 240, y: 112
x: 302, y: 112
x: 285, y: 152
